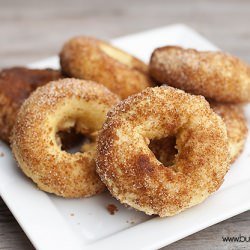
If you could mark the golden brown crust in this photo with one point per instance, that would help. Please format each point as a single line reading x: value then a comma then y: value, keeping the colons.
x: 215, y: 75
x: 93, y: 59
x: 58, y: 106
x: 16, y: 84
x: 236, y: 123
x: 132, y: 173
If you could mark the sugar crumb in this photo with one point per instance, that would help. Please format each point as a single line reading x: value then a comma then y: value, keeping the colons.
x: 112, y: 209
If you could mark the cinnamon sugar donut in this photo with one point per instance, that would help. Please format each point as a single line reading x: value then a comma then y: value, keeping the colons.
x: 59, y: 106
x: 93, y: 59
x: 16, y: 84
x: 132, y: 173
x: 215, y: 75
x: 236, y: 124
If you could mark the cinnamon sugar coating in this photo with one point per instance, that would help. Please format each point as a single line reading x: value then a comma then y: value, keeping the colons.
x: 16, y: 84
x: 131, y: 171
x: 92, y: 59
x: 236, y: 124
x: 58, y: 106
x: 215, y: 75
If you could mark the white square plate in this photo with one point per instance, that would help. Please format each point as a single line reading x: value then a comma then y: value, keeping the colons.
x: 55, y: 223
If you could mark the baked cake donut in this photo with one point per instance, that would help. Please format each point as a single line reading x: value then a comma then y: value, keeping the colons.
x: 59, y: 106
x: 16, y: 84
x: 131, y: 171
x: 236, y: 124
x: 93, y: 59
x: 215, y: 75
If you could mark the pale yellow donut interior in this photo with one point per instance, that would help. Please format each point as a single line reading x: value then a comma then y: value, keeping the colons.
x: 77, y: 116
x: 117, y: 54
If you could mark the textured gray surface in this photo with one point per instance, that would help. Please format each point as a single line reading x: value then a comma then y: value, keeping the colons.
x: 33, y: 30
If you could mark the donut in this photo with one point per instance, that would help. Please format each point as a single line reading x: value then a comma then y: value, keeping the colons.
x: 59, y: 106
x: 131, y: 171
x: 16, y: 84
x: 215, y: 75
x: 236, y: 124
x: 93, y: 59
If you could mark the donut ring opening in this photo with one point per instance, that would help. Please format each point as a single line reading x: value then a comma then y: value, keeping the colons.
x: 73, y: 141
x: 69, y: 140
x: 76, y: 129
x: 92, y: 59
x: 116, y: 54
x: 164, y: 150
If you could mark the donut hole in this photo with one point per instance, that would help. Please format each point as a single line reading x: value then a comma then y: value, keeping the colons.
x: 116, y: 54
x: 164, y: 150
x: 72, y: 141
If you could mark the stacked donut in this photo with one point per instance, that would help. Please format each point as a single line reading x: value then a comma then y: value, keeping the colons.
x: 16, y: 84
x: 157, y: 149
